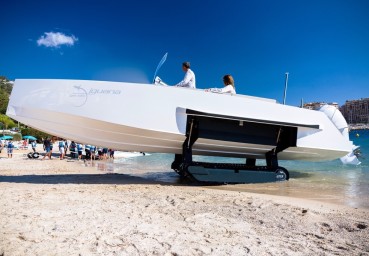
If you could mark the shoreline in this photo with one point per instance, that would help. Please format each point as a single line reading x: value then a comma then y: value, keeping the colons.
x: 58, y: 207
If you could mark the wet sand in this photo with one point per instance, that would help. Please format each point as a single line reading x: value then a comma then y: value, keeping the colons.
x: 300, y: 188
x: 62, y: 207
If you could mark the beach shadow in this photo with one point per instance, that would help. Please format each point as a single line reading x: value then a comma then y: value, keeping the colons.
x: 110, y: 178
x: 114, y: 178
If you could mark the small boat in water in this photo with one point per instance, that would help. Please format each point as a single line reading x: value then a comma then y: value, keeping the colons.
x: 184, y: 122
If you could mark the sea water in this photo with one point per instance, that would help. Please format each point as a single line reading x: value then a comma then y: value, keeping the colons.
x: 329, y: 181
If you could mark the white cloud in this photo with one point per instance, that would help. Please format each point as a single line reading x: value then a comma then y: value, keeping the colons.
x: 52, y: 39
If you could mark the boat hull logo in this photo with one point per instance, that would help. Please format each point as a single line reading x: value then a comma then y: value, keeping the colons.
x: 78, y: 96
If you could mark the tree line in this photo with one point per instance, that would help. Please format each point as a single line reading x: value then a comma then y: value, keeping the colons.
x: 6, y: 87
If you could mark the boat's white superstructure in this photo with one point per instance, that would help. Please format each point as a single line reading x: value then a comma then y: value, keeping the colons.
x: 149, y: 118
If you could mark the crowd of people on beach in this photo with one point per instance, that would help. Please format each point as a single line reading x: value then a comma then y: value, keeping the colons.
x: 10, y: 146
x: 77, y: 150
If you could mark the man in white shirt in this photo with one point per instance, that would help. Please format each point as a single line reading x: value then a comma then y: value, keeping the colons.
x: 189, y: 80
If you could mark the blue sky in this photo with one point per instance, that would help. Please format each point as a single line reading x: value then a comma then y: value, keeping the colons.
x: 324, y: 45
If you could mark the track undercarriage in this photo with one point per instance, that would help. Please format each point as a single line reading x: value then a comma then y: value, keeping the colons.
x: 228, y: 172
x: 213, y: 127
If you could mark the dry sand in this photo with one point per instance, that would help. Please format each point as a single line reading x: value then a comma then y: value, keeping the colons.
x: 56, y: 207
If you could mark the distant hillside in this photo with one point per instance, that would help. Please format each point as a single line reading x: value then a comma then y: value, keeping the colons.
x: 6, y: 87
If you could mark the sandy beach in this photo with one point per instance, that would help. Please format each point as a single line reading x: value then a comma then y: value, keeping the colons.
x: 63, y: 207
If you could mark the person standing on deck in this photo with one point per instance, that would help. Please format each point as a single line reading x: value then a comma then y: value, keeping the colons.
x: 189, y: 79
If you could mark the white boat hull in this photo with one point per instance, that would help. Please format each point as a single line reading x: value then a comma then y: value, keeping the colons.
x: 149, y: 118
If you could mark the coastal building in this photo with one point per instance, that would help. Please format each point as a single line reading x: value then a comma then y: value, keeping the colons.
x: 317, y: 105
x: 356, y: 111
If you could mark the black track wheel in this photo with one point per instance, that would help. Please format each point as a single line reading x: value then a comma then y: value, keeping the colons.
x: 282, y: 174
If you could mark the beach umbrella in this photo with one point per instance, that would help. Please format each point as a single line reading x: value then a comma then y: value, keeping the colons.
x: 6, y: 137
x: 29, y: 137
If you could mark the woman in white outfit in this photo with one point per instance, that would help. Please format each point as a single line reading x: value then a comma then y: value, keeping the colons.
x: 228, y: 86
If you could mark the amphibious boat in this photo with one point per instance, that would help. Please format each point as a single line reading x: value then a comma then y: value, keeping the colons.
x: 184, y: 122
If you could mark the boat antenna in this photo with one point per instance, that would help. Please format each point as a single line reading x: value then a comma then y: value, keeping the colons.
x: 285, y: 89
x: 159, y: 65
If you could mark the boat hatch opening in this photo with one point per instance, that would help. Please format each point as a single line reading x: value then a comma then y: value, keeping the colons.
x: 243, y: 130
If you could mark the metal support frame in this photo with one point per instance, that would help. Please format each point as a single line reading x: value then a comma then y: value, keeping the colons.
x: 250, y: 161
x: 197, y: 127
x: 271, y: 159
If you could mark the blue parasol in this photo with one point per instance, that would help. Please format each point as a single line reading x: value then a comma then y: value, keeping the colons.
x: 29, y: 137
x: 6, y: 137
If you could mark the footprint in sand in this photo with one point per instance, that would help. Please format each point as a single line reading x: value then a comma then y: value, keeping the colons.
x: 325, y: 227
x: 361, y: 226
x: 171, y: 200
